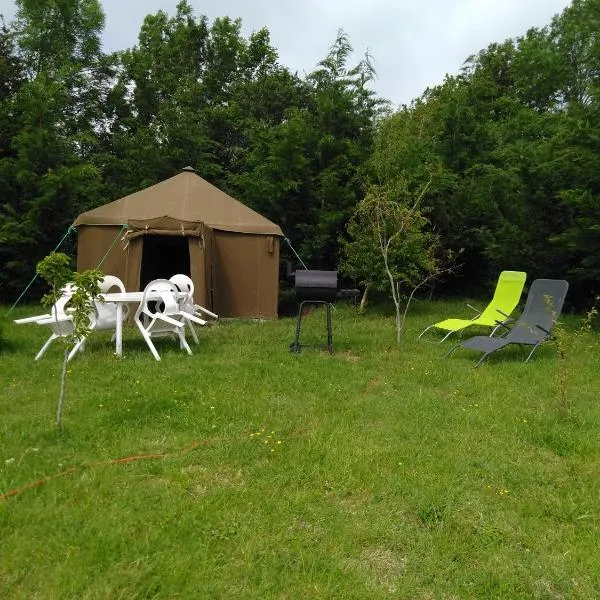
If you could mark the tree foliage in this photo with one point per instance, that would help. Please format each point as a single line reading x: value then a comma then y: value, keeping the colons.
x: 388, y: 236
x: 508, y: 147
x: 514, y: 142
x: 55, y: 106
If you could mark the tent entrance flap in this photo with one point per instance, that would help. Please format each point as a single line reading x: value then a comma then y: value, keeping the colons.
x: 164, y: 256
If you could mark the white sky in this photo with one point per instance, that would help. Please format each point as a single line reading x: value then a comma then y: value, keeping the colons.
x: 414, y: 43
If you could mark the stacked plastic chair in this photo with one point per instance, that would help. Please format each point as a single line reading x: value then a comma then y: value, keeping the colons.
x: 197, y: 314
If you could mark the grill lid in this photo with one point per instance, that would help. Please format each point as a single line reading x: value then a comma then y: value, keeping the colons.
x: 316, y: 279
x: 316, y: 285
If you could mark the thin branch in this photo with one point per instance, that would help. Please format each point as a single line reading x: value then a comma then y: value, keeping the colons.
x: 429, y: 277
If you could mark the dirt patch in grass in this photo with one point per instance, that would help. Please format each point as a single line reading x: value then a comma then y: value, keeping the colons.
x: 200, y: 480
x: 379, y: 567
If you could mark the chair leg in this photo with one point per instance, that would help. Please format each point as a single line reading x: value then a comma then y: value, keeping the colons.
x: 146, y: 336
x: 151, y: 346
x: 424, y: 330
x: 183, y: 342
x: 532, y: 351
x: 447, y: 336
x: 193, y: 332
x: 451, y: 350
x: 45, y: 346
x: 495, y: 329
x: 481, y: 359
x: 439, y: 341
x: 76, y: 348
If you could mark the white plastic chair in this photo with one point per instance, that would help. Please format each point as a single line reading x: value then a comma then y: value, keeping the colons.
x: 159, y: 314
x: 110, y: 281
x: 104, y: 315
x: 106, y: 312
x: 66, y: 291
x: 59, y: 320
x: 192, y: 312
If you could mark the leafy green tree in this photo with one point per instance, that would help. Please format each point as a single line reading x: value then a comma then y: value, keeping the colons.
x: 387, y: 235
x: 512, y: 147
x: 193, y: 92
x: 391, y: 247
x: 12, y: 76
x: 57, y: 107
x: 307, y: 172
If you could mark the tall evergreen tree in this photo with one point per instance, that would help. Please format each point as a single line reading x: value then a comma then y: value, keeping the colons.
x: 306, y: 172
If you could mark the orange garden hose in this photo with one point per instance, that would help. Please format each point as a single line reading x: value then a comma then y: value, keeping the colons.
x: 113, y: 461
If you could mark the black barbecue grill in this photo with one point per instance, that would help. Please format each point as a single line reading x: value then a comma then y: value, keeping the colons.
x: 317, y: 287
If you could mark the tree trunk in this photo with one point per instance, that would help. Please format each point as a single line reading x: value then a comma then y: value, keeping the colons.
x: 363, y: 300
x: 399, y: 319
x: 61, y: 397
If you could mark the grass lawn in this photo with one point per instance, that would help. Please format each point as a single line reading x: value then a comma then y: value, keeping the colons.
x: 376, y: 472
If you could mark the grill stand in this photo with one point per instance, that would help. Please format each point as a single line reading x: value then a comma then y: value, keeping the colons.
x: 296, y: 346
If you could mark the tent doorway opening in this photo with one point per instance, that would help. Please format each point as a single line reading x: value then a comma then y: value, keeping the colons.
x: 164, y: 256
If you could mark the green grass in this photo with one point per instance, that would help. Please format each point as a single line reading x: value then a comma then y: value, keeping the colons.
x: 376, y: 472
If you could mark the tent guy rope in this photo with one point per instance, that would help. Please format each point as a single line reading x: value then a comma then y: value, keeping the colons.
x: 287, y: 241
x: 64, y: 237
x: 123, y: 227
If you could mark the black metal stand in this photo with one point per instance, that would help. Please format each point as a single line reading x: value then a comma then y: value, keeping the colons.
x: 296, y: 346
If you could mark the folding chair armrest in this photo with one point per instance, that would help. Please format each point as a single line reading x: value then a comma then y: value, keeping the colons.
x: 543, y: 329
x: 50, y: 319
x: 32, y: 319
x: 475, y: 309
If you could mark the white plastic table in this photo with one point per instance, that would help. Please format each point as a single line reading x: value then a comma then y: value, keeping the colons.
x: 120, y: 299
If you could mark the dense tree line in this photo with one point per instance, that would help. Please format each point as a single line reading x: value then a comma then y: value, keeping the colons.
x: 512, y: 148
x: 507, y: 150
x: 79, y: 128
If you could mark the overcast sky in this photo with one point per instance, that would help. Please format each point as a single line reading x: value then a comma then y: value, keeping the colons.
x: 414, y: 43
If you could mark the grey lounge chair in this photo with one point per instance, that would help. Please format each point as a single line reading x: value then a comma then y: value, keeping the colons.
x: 534, y: 327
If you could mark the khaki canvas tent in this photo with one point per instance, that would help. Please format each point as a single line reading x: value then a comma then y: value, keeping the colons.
x: 186, y: 225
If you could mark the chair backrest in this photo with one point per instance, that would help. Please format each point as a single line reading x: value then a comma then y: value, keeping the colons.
x: 105, y: 313
x: 59, y: 308
x: 185, y: 284
x: 110, y: 281
x: 542, y: 308
x: 160, y: 297
x: 506, y: 296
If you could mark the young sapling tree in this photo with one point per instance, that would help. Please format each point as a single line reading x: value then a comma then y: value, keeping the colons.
x: 56, y: 270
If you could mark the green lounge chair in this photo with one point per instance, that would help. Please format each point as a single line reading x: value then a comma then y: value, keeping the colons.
x: 506, y: 297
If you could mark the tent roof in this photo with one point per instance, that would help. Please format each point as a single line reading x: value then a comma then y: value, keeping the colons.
x: 184, y: 197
